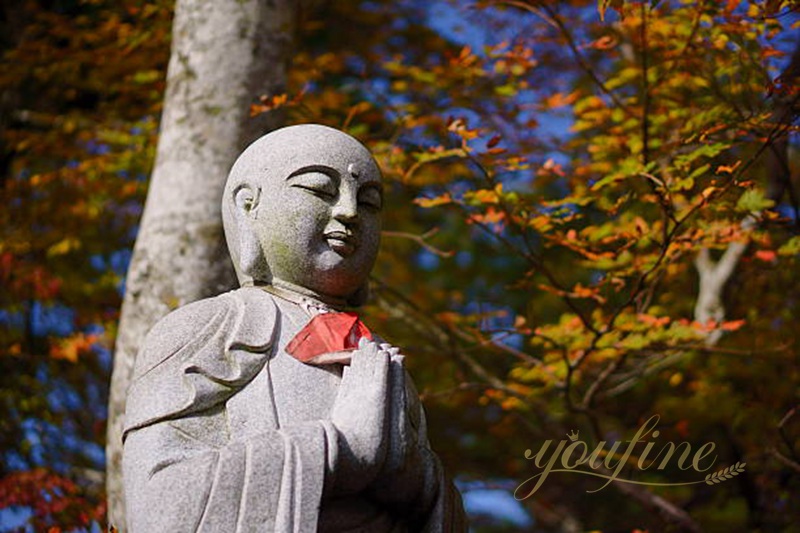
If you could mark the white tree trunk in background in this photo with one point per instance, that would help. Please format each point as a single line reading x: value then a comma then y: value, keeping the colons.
x: 712, y: 279
x: 224, y: 54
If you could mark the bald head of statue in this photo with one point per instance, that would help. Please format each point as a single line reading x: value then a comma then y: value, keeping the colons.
x: 301, y: 209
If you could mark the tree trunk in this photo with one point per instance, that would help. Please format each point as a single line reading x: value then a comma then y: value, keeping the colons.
x: 225, y: 53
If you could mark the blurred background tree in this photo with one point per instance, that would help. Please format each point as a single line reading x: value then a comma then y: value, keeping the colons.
x: 592, y: 219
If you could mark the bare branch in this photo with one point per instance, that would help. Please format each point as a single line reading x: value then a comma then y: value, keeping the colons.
x: 785, y: 460
x: 669, y: 512
x: 443, y: 338
x: 421, y: 240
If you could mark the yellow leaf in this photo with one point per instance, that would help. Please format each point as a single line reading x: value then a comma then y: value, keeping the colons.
x: 708, y: 191
x: 63, y: 246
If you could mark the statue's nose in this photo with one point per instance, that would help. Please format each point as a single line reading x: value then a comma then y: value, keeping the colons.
x: 345, y: 209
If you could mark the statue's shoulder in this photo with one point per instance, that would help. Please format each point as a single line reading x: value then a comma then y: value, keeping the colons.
x: 244, y: 317
x: 199, y: 355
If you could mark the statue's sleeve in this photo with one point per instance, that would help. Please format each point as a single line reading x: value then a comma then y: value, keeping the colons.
x: 183, y: 469
x: 267, y: 482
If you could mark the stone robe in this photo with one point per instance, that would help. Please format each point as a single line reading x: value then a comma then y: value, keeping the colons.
x: 225, y: 432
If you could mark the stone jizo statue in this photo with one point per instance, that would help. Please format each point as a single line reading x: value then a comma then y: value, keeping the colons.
x: 268, y: 408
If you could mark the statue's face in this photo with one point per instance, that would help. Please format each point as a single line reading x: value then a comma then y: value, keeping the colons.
x: 319, y: 219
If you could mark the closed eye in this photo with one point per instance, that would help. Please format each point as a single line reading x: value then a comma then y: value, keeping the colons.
x: 371, y: 198
x: 318, y: 191
x: 316, y: 182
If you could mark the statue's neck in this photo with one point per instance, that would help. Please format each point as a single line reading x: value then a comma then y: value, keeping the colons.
x: 309, y: 300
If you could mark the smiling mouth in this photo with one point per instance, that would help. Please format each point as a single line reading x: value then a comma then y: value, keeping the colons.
x: 340, y: 242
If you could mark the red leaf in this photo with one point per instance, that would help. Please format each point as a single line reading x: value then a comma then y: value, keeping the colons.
x: 767, y: 256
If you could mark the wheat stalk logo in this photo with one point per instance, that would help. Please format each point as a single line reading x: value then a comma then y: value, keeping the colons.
x: 725, y: 473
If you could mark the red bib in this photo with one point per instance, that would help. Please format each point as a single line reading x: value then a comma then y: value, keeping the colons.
x: 328, y: 338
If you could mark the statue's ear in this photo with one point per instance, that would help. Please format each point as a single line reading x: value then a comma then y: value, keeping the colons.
x: 251, y: 258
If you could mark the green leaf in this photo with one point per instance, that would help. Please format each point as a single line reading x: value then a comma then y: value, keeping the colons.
x: 699, y: 171
x: 506, y: 90
x: 705, y: 150
x: 753, y: 201
x: 790, y: 247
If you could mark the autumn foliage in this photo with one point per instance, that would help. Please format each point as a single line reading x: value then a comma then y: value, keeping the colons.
x: 81, y: 86
x: 56, y: 502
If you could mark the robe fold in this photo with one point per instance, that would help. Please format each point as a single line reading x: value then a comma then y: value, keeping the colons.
x: 225, y: 432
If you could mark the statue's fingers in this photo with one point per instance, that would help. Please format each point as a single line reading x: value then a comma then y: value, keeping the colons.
x: 370, y: 348
x: 388, y: 348
x: 391, y: 350
x: 352, y: 370
x: 374, y: 395
x: 413, y: 413
x: 397, y: 382
x: 397, y: 415
x: 346, y: 372
x: 380, y: 373
x: 344, y: 393
x: 399, y: 386
x: 361, y: 360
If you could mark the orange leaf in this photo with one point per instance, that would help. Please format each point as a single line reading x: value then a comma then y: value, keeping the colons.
x: 579, y: 291
x: 729, y: 169
x: 604, y: 43
x: 433, y: 202
x: 733, y: 325
x: 560, y: 100
x: 653, y: 320
x: 553, y: 167
x: 492, y: 216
